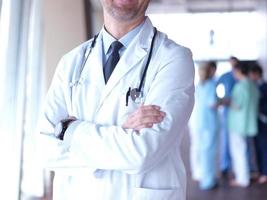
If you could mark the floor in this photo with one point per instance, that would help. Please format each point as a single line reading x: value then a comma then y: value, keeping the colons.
x: 224, y: 191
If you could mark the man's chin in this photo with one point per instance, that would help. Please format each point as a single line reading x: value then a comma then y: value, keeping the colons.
x: 124, y: 14
x: 125, y: 3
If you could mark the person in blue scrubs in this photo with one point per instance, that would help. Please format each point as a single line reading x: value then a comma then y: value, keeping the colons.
x: 255, y: 74
x: 228, y: 81
x: 207, y: 125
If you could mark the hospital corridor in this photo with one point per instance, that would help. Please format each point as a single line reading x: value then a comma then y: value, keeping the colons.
x: 133, y: 99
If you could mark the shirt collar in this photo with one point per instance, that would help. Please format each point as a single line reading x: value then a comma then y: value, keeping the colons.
x: 108, y: 39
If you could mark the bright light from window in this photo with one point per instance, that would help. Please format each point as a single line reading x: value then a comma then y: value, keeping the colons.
x: 220, y: 91
x: 214, y: 35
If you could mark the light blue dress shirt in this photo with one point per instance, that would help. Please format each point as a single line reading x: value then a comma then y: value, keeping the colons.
x: 108, y: 39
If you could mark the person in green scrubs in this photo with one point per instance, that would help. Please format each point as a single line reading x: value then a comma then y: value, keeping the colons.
x: 242, y: 123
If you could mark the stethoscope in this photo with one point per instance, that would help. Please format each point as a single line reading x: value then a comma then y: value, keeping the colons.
x: 134, y: 93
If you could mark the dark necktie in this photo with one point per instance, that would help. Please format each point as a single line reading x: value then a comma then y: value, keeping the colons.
x: 113, y: 59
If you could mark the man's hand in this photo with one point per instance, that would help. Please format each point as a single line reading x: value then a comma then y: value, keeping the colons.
x: 144, y: 117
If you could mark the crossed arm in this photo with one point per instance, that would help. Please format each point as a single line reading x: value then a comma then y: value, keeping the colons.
x: 143, y: 117
x: 159, y: 131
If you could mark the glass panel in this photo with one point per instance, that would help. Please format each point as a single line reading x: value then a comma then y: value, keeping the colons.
x: 20, y: 89
x: 11, y: 101
x: 32, y: 184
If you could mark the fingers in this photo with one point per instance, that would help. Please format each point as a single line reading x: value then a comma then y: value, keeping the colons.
x: 148, y: 111
x: 144, y: 117
x: 149, y: 125
x: 148, y: 120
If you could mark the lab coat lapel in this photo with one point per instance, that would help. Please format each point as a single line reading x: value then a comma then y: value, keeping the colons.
x: 126, y: 63
x: 137, y: 50
x: 93, y: 70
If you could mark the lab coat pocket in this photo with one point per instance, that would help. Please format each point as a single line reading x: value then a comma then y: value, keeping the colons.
x: 127, y: 106
x: 157, y: 194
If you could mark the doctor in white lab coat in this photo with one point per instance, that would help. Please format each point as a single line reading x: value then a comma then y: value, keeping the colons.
x: 110, y: 151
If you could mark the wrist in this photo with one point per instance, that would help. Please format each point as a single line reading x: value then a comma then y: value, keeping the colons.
x: 62, y: 126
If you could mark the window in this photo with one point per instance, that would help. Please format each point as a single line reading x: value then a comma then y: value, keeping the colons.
x: 0, y: 7
x: 20, y: 68
x: 214, y: 35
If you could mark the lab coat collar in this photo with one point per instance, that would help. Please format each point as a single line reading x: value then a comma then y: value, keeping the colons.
x: 136, y: 51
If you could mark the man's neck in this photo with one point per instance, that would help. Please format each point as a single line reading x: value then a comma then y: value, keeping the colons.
x: 118, y: 28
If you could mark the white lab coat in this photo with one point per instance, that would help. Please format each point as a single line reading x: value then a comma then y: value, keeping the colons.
x: 101, y: 160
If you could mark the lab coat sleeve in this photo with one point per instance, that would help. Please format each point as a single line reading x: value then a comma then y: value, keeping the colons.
x: 54, y: 110
x: 113, y: 148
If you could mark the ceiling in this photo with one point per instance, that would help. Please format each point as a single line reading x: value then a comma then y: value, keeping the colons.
x: 197, y: 5
x: 203, y: 5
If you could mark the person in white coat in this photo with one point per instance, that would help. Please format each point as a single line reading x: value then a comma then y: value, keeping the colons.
x: 106, y: 138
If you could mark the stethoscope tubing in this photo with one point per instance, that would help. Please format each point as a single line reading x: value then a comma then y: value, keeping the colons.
x: 84, y: 54
x: 136, y: 90
x: 148, y: 60
x: 147, y: 63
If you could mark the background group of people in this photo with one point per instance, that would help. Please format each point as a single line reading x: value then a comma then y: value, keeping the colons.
x: 235, y: 122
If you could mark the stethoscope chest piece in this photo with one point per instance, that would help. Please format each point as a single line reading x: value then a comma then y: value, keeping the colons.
x: 135, y: 95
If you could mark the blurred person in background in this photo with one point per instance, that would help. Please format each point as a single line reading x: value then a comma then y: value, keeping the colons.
x: 255, y: 75
x: 207, y: 125
x: 242, y: 123
x: 228, y: 81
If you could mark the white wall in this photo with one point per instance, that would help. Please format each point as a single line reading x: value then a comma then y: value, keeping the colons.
x: 97, y: 16
x: 64, y: 29
x: 97, y: 22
